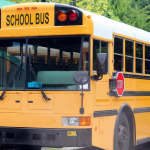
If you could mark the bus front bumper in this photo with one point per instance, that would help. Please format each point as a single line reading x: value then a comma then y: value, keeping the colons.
x: 46, y: 137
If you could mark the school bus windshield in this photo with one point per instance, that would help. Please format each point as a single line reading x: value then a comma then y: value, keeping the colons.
x: 54, y: 61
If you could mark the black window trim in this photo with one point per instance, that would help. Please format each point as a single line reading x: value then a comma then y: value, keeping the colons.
x: 26, y: 41
x: 146, y: 45
x: 139, y: 57
x: 128, y: 56
x: 119, y: 37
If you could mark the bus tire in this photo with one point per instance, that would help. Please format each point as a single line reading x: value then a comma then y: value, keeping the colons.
x: 26, y: 147
x: 122, y: 133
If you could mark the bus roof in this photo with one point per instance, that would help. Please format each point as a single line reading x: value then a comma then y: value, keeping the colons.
x: 105, y: 27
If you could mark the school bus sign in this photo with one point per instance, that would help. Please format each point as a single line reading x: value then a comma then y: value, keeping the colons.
x: 27, y: 19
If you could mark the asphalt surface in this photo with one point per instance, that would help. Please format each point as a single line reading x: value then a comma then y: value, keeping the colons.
x: 139, y: 147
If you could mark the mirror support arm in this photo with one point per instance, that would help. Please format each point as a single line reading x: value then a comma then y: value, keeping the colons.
x: 97, y: 77
x: 82, y: 95
x: 81, y: 78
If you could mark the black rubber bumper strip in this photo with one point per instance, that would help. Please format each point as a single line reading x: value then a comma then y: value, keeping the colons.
x: 105, y: 113
x: 46, y: 137
x: 131, y: 93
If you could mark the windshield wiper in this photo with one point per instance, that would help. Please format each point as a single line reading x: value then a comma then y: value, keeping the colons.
x: 33, y: 72
x: 12, y: 76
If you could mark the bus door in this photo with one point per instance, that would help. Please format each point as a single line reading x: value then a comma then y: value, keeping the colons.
x: 102, y: 100
x: 102, y: 86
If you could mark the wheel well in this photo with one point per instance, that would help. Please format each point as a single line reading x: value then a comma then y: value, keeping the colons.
x: 128, y: 111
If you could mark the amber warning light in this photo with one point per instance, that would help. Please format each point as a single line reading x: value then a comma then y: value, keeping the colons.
x: 19, y: 8
x: 84, y: 121
x: 72, y: 15
x: 62, y: 16
x: 26, y: 8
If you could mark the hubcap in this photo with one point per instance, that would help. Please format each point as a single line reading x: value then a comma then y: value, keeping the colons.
x: 122, y: 136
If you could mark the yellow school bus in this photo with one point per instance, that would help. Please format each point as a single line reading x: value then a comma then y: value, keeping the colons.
x: 72, y: 78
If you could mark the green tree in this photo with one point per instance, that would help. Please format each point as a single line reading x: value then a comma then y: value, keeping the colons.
x: 96, y: 6
x: 130, y: 12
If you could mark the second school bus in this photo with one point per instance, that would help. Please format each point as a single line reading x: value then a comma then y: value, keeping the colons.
x: 45, y: 49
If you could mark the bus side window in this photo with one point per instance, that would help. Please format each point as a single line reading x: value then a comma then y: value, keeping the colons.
x: 147, y: 59
x: 98, y: 47
x: 129, y: 58
x: 139, y: 58
x: 118, y: 54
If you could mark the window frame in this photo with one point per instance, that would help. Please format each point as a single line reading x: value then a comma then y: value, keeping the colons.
x: 26, y: 57
x: 122, y: 55
x: 128, y: 55
x: 148, y: 60
x: 136, y: 42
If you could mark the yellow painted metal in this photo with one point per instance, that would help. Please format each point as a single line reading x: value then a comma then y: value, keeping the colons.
x: 12, y: 29
x: 11, y: 102
x: 36, y: 120
x: 42, y: 16
x: 134, y: 39
x: 101, y: 39
x: 91, y: 55
x: 103, y: 136
x: 37, y: 102
x: 111, y: 59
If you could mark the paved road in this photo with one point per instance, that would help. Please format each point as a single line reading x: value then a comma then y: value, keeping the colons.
x: 139, y: 147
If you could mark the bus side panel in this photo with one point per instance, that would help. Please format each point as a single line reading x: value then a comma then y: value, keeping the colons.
x: 102, y: 127
x: 140, y: 105
x: 142, y: 116
x: 103, y: 132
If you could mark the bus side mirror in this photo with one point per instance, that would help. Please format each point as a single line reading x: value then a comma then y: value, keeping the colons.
x: 101, y: 66
x: 101, y: 63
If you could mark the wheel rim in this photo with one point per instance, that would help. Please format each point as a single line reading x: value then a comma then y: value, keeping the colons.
x: 123, y: 136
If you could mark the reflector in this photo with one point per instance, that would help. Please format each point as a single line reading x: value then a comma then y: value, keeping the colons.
x: 34, y: 7
x: 62, y: 16
x: 26, y: 8
x: 73, y: 15
x: 19, y: 8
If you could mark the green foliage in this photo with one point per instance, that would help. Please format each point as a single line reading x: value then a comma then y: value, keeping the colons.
x: 96, y: 6
x: 110, y: 14
x: 25, y: 1
x: 132, y: 12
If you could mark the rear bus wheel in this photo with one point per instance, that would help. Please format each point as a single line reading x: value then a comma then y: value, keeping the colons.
x: 122, y: 133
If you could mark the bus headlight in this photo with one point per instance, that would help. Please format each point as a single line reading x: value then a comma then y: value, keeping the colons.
x: 73, y: 121
x: 70, y: 121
